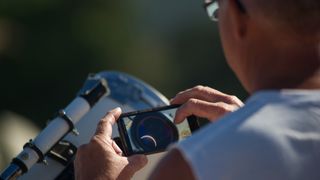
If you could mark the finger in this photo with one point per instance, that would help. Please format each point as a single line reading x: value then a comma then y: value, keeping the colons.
x: 137, y: 162
x: 113, y: 115
x: 116, y: 148
x: 198, y: 92
x: 203, y: 109
x: 104, y: 127
x: 206, y: 94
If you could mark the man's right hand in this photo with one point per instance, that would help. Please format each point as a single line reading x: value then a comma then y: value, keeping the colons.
x: 204, y: 102
x: 101, y: 158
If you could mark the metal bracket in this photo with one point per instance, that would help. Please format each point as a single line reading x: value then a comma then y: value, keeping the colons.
x: 63, y: 152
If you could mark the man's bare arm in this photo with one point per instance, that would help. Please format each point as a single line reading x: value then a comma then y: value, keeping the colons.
x: 172, y: 166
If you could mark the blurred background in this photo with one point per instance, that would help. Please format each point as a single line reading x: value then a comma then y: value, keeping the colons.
x: 47, y: 49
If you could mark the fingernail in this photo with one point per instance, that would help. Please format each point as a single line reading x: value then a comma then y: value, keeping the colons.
x: 118, y: 109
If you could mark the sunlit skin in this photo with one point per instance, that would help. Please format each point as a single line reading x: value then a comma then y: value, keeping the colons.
x: 102, y: 159
x: 263, y: 56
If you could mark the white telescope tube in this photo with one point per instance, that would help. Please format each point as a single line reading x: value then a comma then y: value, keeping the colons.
x: 34, y: 151
x: 55, y: 130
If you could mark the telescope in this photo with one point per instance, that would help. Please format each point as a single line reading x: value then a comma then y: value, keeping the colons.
x: 51, y: 153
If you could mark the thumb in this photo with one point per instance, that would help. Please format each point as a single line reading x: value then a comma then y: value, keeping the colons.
x: 137, y: 162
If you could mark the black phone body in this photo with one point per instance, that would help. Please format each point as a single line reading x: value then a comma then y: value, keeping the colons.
x: 151, y: 131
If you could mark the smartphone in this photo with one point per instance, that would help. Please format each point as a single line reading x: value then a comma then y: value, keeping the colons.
x: 153, y: 130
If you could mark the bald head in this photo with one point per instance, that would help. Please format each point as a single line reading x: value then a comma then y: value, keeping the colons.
x: 301, y: 17
x: 272, y: 44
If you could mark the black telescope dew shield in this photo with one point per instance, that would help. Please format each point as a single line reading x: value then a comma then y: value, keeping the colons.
x: 50, y: 155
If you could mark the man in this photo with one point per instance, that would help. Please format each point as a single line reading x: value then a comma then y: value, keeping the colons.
x: 273, y: 47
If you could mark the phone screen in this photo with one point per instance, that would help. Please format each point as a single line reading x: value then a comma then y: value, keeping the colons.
x: 153, y: 131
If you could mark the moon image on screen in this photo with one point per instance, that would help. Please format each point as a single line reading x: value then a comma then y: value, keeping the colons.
x: 149, y: 141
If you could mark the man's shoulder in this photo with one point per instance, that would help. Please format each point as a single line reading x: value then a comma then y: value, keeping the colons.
x: 268, y: 113
x: 266, y: 134
x: 277, y: 112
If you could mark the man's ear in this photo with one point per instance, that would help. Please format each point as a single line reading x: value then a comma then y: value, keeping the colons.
x: 239, y: 19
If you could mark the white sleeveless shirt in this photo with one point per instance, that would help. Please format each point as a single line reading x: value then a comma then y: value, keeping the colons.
x: 276, y: 135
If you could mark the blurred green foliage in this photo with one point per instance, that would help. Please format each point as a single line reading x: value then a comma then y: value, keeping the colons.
x: 48, y: 47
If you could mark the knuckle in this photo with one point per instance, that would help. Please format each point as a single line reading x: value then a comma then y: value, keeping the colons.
x: 191, y: 103
x: 222, y: 108
x: 238, y: 102
x: 187, y: 107
x: 199, y: 88
x: 206, y: 90
x: 95, y: 140
x: 233, y: 98
x: 102, y: 122
x: 107, y: 117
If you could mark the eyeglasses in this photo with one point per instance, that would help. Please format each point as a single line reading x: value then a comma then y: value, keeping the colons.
x: 212, y: 8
